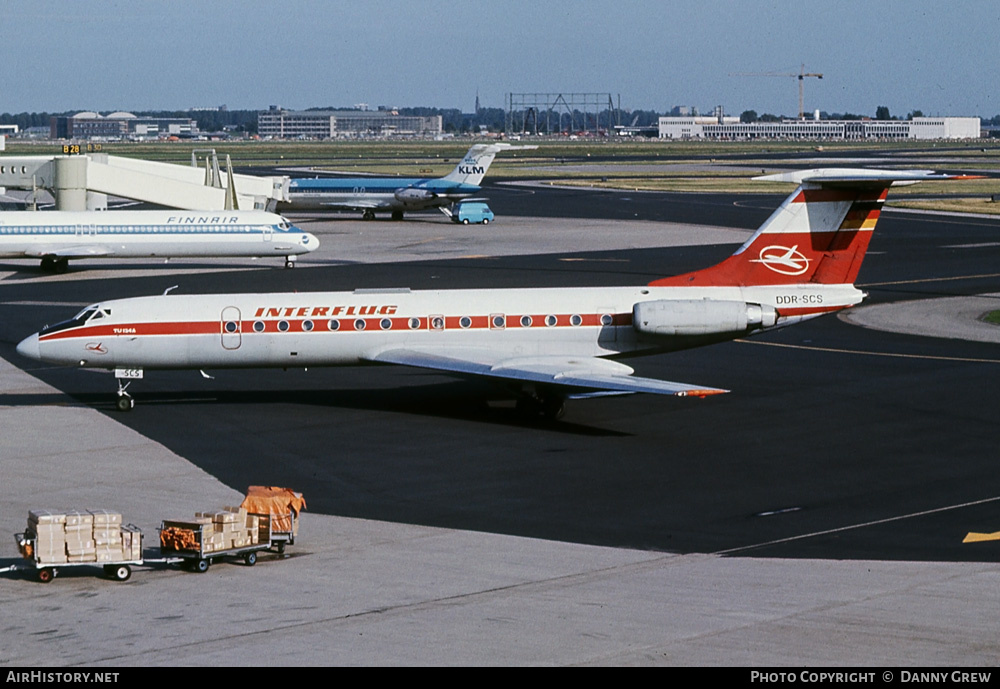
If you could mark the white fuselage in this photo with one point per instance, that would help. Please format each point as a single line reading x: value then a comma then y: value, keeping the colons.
x: 121, y: 234
x: 375, y: 194
x: 345, y: 328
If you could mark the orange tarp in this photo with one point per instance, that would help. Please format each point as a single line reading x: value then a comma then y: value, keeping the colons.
x: 274, y: 501
x: 175, y: 538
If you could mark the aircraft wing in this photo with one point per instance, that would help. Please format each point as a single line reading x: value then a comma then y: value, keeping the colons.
x: 582, y: 376
x: 81, y: 251
x: 359, y: 205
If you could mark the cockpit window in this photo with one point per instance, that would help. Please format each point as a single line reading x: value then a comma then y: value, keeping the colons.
x: 88, y: 314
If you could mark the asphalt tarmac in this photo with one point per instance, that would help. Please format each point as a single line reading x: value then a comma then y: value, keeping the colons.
x: 838, y: 444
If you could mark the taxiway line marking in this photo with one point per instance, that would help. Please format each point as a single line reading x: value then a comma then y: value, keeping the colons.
x: 852, y: 527
x: 421, y: 242
x: 974, y: 537
x: 922, y: 280
x: 893, y: 355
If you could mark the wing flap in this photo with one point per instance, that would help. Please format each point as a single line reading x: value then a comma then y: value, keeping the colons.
x: 574, y: 373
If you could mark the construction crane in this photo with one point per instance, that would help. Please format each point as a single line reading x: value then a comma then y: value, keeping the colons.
x: 800, y: 75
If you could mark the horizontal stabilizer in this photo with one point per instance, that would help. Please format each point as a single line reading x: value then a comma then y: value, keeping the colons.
x: 818, y: 236
x: 581, y: 373
x: 857, y: 177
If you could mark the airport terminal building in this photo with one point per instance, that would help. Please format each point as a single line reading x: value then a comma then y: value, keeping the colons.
x: 277, y: 123
x: 730, y: 128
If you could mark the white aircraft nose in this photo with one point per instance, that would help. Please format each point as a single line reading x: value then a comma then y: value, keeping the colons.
x: 28, y: 347
x: 310, y: 241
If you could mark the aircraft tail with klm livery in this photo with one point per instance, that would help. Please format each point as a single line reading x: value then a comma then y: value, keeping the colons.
x: 477, y: 161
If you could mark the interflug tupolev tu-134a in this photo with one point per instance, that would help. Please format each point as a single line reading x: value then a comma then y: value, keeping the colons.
x: 543, y: 345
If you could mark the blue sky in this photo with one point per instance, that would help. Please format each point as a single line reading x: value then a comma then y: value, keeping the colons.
x: 939, y: 57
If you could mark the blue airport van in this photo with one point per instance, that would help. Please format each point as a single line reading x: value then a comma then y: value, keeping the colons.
x: 472, y: 212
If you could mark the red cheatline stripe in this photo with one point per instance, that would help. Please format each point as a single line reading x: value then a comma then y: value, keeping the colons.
x: 133, y: 329
x: 831, y: 195
x: 480, y: 322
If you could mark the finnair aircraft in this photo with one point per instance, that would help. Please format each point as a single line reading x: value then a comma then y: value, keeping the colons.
x: 55, y: 237
x: 542, y: 345
x: 396, y: 194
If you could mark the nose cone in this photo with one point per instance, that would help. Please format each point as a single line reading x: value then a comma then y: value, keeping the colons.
x: 310, y: 242
x: 28, y: 347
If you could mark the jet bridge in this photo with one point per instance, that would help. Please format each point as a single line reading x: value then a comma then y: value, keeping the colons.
x: 83, y: 182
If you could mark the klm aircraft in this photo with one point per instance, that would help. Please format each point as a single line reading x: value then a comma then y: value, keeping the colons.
x: 396, y: 194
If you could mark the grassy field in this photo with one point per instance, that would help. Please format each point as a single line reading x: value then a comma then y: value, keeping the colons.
x: 992, y: 317
x: 683, y: 166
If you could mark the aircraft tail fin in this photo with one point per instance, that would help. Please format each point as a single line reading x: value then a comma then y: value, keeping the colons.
x: 818, y: 235
x: 476, y: 162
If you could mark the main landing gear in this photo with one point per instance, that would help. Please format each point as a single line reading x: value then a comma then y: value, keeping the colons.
x: 548, y: 405
x: 55, y: 264
x: 397, y: 215
x: 368, y: 215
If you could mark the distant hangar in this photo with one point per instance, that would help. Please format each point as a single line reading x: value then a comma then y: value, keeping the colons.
x: 713, y: 127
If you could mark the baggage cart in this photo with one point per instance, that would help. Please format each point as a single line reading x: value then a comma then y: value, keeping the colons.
x: 196, y: 543
x: 48, y: 563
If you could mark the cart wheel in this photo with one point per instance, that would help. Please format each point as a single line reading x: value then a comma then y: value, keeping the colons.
x: 46, y: 574
x: 118, y: 572
x: 200, y: 565
x: 250, y: 559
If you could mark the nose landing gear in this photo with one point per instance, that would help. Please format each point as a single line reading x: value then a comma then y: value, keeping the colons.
x: 124, y: 401
x: 125, y: 376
